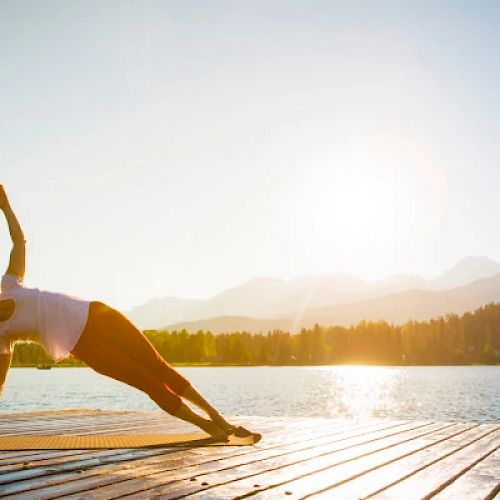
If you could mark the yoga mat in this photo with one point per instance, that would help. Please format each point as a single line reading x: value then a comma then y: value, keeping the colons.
x: 111, y: 441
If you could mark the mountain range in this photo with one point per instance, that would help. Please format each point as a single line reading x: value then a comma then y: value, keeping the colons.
x: 264, y: 304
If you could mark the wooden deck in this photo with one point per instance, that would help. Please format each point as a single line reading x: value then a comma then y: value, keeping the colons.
x: 297, y: 458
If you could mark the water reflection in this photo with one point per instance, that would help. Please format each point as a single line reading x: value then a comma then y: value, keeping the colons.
x: 357, y: 392
x: 361, y: 391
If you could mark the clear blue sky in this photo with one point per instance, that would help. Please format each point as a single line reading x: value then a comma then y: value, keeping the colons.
x: 177, y: 148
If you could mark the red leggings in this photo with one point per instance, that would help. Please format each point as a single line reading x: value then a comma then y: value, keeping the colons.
x: 113, y: 346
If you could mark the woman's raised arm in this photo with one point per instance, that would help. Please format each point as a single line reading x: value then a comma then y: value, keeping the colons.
x: 17, y: 263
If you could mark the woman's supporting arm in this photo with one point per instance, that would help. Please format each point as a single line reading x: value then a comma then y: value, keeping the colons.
x: 5, y: 360
x: 17, y: 263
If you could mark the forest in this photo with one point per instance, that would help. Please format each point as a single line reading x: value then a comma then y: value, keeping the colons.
x: 472, y: 338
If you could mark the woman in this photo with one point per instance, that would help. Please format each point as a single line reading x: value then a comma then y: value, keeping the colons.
x: 96, y: 334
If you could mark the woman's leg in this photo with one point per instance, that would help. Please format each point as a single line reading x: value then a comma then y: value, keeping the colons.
x: 102, y: 352
x: 192, y: 395
x: 127, y: 337
x: 122, y: 333
x: 104, y: 358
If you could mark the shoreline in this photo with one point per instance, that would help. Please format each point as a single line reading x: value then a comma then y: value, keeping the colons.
x: 229, y: 365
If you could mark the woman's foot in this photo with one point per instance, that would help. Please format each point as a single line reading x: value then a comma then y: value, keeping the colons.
x: 214, y: 430
x: 243, y: 433
x: 221, y: 422
x: 238, y: 431
x: 185, y: 413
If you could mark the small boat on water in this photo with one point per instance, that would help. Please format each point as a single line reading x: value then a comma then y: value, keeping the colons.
x: 43, y: 367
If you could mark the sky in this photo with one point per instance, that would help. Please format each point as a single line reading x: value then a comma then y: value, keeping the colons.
x: 177, y: 148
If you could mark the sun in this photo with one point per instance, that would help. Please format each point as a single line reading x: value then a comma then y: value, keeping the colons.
x: 368, y: 201
x: 363, y: 205
x: 356, y: 205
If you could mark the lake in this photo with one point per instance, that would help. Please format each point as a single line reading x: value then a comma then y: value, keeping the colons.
x: 449, y: 393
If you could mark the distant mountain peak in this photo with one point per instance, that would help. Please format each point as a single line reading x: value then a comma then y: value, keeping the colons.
x: 475, y: 260
x: 270, y: 297
x: 468, y: 269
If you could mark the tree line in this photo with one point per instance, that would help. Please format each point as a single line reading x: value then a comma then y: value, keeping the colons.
x: 472, y: 338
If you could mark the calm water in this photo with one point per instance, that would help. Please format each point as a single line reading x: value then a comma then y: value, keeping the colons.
x: 457, y: 393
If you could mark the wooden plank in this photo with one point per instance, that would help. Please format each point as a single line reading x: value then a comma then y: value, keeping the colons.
x: 90, y: 415
x: 19, y: 460
x: 235, y: 481
x: 174, y: 463
x: 437, y: 476
x: 381, y: 477
x: 54, y: 415
x: 114, y: 428
x: 306, y: 477
x: 15, y: 457
x: 97, y: 465
x: 76, y: 416
x: 50, y: 428
x: 481, y: 481
x: 304, y: 457
x: 223, y: 466
x: 29, y: 415
x: 135, y: 465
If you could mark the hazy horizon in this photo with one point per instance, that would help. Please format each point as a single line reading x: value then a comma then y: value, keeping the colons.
x: 180, y: 148
x: 289, y: 279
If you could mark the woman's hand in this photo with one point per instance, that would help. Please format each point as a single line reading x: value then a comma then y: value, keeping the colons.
x: 4, y: 201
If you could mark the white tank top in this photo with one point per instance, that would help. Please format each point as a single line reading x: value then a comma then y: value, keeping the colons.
x: 54, y: 320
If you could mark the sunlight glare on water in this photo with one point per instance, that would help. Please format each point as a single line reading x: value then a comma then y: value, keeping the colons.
x: 361, y: 391
x: 461, y: 393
